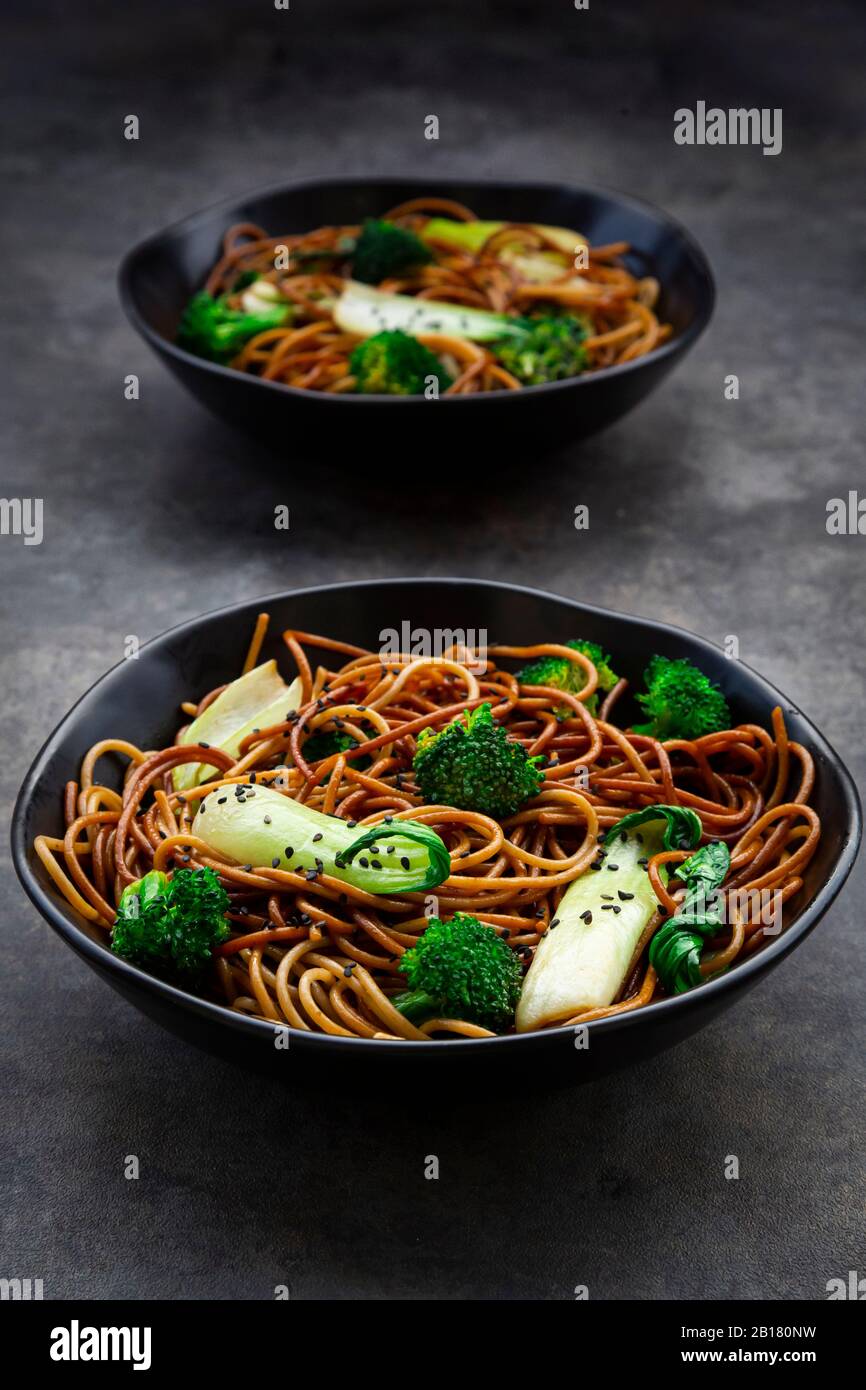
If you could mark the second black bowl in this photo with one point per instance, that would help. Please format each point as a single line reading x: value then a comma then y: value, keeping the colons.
x: 158, y: 277
x: 139, y: 699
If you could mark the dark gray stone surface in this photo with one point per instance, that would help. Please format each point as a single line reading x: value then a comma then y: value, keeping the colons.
x: 704, y: 512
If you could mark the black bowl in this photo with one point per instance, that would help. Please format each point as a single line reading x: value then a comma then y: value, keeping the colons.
x: 139, y: 699
x: 158, y: 277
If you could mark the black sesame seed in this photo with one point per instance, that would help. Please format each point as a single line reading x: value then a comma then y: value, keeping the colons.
x: 288, y: 851
x: 267, y: 820
x: 404, y: 862
x: 365, y: 863
x: 613, y: 868
x: 310, y: 875
x: 221, y: 801
x: 317, y: 837
x: 595, y: 867
x: 625, y: 897
x: 275, y: 862
x: 586, y: 916
x: 555, y: 922
x: 608, y: 897
x: 390, y: 849
x: 609, y: 907
x: 375, y: 864
x: 351, y: 824
x: 617, y: 909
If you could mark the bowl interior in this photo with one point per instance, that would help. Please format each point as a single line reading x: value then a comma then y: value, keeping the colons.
x: 139, y: 701
x: 162, y: 273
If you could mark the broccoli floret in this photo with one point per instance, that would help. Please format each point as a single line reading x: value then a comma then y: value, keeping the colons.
x: 171, y: 925
x: 393, y: 364
x: 383, y: 250
x: 682, y: 702
x: 461, y: 969
x: 473, y: 764
x: 325, y: 743
x: 550, y: 350
x: 563, y: 674
x: 211, y: 328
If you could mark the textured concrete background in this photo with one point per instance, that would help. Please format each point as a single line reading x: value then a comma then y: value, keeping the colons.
x: 704, y: 512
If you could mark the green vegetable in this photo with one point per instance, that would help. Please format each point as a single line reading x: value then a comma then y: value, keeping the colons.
x: 393, y: 364
x: 582, y: 960
x: 253, y: 824
x: 460, y: 969
x: 473, y: 764
x: 471, y: 236
x: 171, y: 925
x: 383, y: 250
x: 551, y: 349
x: 537, y: 266
x: 543, y: 349
x: 365, y: 311
x: 254, y: 701
x: 681, y: 701
x: 211, y: 328
x: 675, y: 950
x: 682, y: 827
x: 563, y: 674
x: 323, y: 744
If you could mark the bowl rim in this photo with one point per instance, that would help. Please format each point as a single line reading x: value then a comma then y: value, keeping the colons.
x: 675, y: 346
x: 47, y: 901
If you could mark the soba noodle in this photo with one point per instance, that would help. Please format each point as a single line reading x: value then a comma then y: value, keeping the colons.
x: 313, y: 352
x: 325, y: 956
